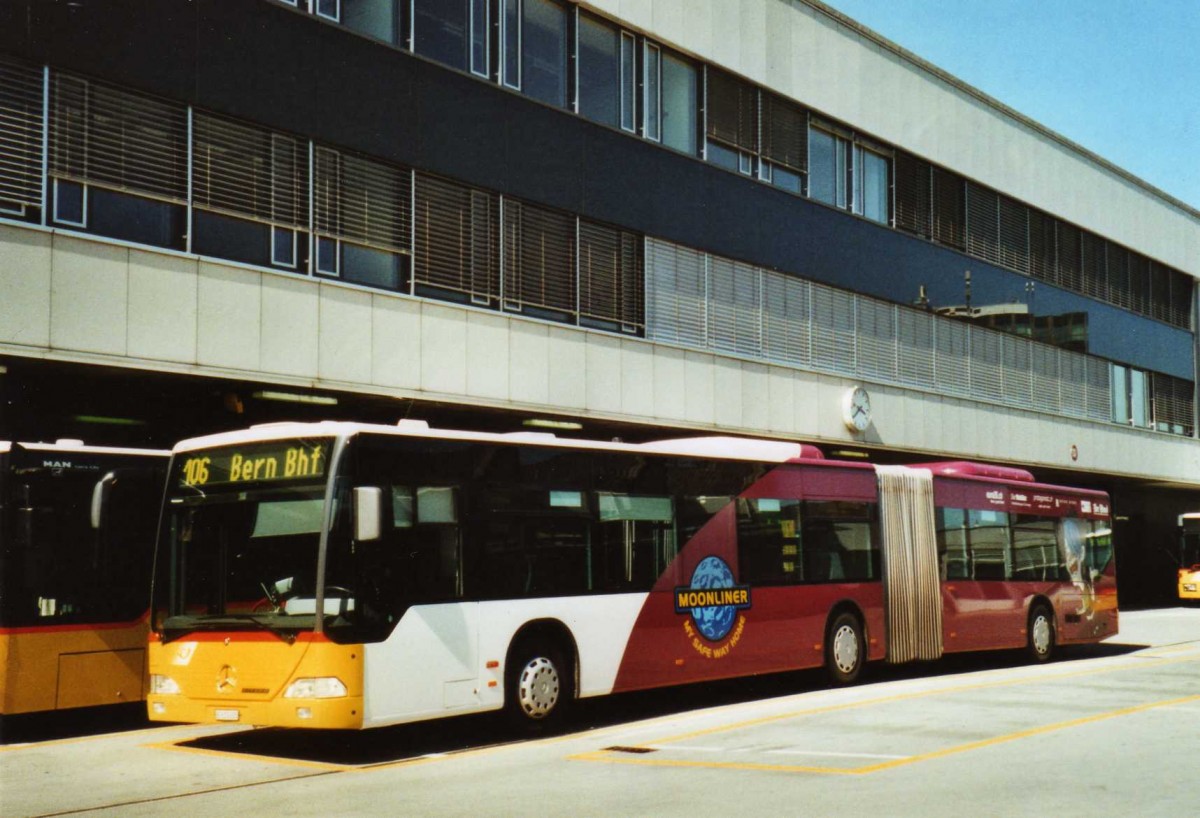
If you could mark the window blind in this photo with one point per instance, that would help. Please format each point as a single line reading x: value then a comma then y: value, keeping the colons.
x: 249, y: 171
x: 21, y: 123
x: 948, y: 208
x: 361, y: 200
x: 610, y: 275
x: 784, y: 133
x: 539, y: 258
x: 457, y: 238
x: 732, y: 111
x: 115, y: 138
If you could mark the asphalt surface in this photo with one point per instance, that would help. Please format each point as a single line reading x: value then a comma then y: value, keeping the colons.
x: 1107, y: 729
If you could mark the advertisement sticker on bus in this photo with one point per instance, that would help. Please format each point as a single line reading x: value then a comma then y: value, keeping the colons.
x: 711, y: 602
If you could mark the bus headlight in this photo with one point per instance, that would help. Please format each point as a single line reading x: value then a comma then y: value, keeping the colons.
x: 322, y: 687
x: 163, y: 685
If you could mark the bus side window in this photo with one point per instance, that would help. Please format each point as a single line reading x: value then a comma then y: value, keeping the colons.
x: 768, y: 534
x: 952, y: 544
x: 990, y: 547
x: 635, y: 541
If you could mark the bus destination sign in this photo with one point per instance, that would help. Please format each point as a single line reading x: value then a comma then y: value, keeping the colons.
x: 285, y: 460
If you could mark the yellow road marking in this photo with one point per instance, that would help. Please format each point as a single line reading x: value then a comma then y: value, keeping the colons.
x: 613, y: 757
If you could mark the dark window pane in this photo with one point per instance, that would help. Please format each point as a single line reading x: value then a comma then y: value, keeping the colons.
x: 374, y: 268
x: 68, y: 202
x: 479, y: 37
x: 511, y: 35
x: 327, y: 255
x: 132, y: 218
x: 440, y: 31
x: 822, y: 177
x: 544, y: 52
x: 599, y: 71
x: 234, y: 239
x: 374, y: 18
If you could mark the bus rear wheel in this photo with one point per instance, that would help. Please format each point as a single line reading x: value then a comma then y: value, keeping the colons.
x: 844, y: 649
x: 1040, y: 645
x: 539, y: 686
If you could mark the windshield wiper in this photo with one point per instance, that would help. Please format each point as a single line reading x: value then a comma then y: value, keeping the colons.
x: 218, y: 622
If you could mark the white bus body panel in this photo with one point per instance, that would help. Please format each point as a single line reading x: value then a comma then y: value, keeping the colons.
x: 435, y: 662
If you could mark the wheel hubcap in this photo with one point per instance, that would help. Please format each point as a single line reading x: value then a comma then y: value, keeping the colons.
x: 537, y: 691
x: 845, y: 649
x: 1041, y: 634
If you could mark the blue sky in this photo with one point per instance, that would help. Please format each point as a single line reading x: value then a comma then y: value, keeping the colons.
x: 1119, y: 77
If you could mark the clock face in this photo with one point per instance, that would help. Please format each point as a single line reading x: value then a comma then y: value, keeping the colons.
x: 856, y: 409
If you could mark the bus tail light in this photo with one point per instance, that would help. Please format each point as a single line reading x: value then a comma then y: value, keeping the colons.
x: 322, y: 687
x: 163, y: 685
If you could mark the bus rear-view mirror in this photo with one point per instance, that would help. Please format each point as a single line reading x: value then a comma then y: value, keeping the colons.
x: 368, y: 513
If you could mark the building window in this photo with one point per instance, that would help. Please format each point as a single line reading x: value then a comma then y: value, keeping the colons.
x: 732, y: 125
x: 329, y: 9
x: 652, y: 91
x: 118, y: 162
x: 457, y: 252
x: 606, y: 80
x: 361, y: 219
x: 539, y: 271
x: 453, y: 32
x: 1130, y: 394
x: 785, y: 143
x: 250, y: 193
x: 678, y: 103
x: 610, y: 278
x: 871, y: 188
x: 510, y: 38
x: 544, y: 51
x: 21, y: 123
x: 374, y: 18
x: 829, y: 168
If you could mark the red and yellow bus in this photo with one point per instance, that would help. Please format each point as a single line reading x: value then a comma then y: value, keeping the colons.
x: 1189, y: 557
x: 74, y: 589
x: 346, y: 576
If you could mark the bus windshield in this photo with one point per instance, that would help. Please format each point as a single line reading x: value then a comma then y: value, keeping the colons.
x: 241, y: 539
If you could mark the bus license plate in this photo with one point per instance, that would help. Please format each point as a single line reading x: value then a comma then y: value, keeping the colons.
x: 227, y: 715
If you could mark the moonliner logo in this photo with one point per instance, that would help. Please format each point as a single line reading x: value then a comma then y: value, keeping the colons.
x: 713, y: 599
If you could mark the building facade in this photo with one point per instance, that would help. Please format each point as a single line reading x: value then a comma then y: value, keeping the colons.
x: 644, y: 218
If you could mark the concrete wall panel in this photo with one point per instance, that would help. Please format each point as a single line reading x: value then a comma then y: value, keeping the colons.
x: 25, y: 270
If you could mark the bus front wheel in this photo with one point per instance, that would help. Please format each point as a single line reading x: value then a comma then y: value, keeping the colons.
x: 539, y: 686
x: 1040, y: 646
x: 844, y: 649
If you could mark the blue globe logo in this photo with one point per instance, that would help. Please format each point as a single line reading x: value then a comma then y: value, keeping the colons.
x: 713, y: 623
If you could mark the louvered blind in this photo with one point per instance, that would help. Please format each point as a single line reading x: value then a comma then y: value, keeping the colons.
x: 876, y: 339
x: 983, y: 223
x: 915, y: 334
x: 787, y: 319
x: 734, y: 308
x: 913, y: 200
x: 952, y: 342
x: 948, y: 208
x: 987, y: 357
x: 1181, y: 299
x: 1174, y: 403
x: 1072, y: 369
x: 1017, y: 370
x: 676, y: 300
x: 249, y: 171
x: 610, y: 275
x: 539, y: 258
x: 834, y: 335
x: 732, y: 110
x: 1014, y: 234
x: 784, y: 133
x: 20, y: 136
x: 1042, y: 251
x: 1070, y: 264
x: 119, y: 139
x: 457, y: 238
x: 361, y: 200
x: 1119, y: 291
x: 1099, y: 386
x: 1139, y: 283
x: 1045, y: 382
x: 1093, y: 265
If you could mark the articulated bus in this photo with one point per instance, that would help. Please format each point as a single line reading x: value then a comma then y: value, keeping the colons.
x: 1189, y: 557
x: 75, y: 590
x: 340, y: 575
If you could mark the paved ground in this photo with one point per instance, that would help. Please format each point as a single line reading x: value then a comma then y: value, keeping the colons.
x: 1111, y: 729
